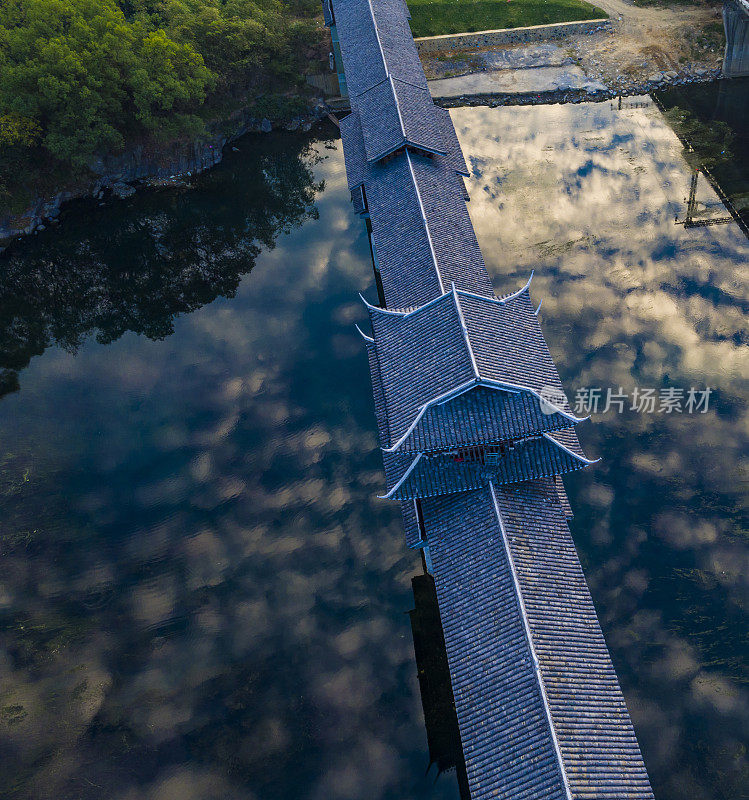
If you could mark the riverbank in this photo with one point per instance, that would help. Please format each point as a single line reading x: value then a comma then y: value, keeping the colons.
x: 97, y: 96
x: 549, y: 85
x: 637, y: 51
x: 145, y: 165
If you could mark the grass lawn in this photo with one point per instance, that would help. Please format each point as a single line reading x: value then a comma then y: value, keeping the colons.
x: 435, y: 17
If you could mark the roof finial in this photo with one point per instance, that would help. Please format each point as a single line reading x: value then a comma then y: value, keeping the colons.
x: 512, y: 296
x: 363, y: 335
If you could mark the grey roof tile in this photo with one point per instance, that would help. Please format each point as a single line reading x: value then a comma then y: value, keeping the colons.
x: 481, y: 415
x: 359, y: 171
x: 427, y: 354
x: 422, y: 356
x: 485, y: 635
x: 363, y: 60
x: 412, y: 476
x: 454, y: 156
x: 561, y: 494
x: 421, y: 230
x: 376, y: 41
x: 399, y: 236
x: 354, y: 154
x: 599, y: 749
x: 508, y: 344
x: 383, y: 430
x: 394, y: 114
x: 504, y: 729
x: 411, y: 523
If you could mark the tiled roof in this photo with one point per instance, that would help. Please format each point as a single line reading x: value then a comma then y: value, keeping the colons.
x: 385, y: 80
x: 482, y: 616
x: 540, y: 711
x: 508, y: 345
x: 411, y: 523
x: 430, y: 357
x: 383, y: 430
x: 600, y: 752
x: 561, y: 494
x: 454, y: 156
x: 387, y: 87
x: 359, y: 171
x: 376, y: 41
x: 481, y: 415
x: 421, y: 231
x: 504, y: 728
x: 411, y: 476
x: 394, y: 113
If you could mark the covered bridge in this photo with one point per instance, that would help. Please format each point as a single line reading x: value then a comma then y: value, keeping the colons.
x: 476, y: 433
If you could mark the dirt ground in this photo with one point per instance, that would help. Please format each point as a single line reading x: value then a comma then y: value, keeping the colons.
x: 642, y: 43
x: 652, y: 39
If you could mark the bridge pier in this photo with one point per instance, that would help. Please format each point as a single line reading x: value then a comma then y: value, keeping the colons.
x: 736, y: 23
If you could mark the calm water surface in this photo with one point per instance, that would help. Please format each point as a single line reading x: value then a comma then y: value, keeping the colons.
x: 200, y: 595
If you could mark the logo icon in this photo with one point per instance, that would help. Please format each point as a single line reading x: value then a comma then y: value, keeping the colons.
x: 552, y: 399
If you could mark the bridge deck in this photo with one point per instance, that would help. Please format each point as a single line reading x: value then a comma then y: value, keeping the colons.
x: 539, y: 707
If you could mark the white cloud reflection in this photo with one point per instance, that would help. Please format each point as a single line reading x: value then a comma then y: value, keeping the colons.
x: 586, y: 195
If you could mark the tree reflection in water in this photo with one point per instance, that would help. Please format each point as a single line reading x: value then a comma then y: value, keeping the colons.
x: 137, y: 267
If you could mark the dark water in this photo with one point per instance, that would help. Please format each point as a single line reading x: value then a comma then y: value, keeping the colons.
x: 717, y: 122
x: 200, y: 595
x: 587, y: 196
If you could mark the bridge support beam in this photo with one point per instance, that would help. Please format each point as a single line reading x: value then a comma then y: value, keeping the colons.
x: 736, y: 23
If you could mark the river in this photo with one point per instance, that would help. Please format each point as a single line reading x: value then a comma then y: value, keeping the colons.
x: 201, y: 596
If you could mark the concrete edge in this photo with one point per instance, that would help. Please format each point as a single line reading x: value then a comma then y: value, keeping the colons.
x: 462, y: 41
x: 561, y: 96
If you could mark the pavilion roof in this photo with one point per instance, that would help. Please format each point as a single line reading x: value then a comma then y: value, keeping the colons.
x: 463, y: 370
x: 412, y: 476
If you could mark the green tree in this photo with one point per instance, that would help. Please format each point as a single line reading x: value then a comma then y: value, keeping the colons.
x: 86, y: 77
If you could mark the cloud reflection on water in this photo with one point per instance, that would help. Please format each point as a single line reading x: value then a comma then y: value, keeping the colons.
x: 200, y: 595
x: 212, y: 601
x: 587, y: 195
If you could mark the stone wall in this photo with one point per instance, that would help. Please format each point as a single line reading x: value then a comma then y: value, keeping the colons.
x: 736, y: 23
x: 535, y: 33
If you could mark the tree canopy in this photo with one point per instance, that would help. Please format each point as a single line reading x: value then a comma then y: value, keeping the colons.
x: 81, y: 77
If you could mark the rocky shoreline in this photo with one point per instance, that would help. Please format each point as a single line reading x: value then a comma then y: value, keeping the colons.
x: 627, y: 88
x: 121, y: 175
x: 586, y: 65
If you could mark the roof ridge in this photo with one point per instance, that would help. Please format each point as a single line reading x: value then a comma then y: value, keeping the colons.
x: 369, y: 89
x: 464, y: 328
x: 403, y: 478
x: 496, y: 300
x: 398, y: 313
x: 416, y: 309
x: 444, y: 397
x: 416, y: 86
x: 379, y: 41
x: 424, y: 219
x: 488, y: 383
x: 398, y: 109
x: 364, y: 335
x: 578, y: 456
x: 529, y: 637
